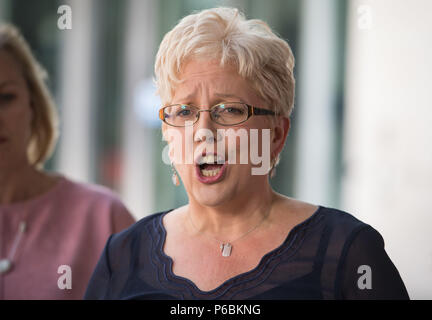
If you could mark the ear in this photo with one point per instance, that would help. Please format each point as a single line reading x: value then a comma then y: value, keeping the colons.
x: 280, y: 133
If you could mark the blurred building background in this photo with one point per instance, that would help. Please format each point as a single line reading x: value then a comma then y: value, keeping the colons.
x: 361, y: 137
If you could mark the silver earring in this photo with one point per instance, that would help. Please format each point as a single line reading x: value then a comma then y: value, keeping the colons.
x: 174, y: 178
x: 273, y: 169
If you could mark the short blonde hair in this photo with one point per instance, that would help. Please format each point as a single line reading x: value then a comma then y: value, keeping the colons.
x: 45, y: 119
x: 259, y: 55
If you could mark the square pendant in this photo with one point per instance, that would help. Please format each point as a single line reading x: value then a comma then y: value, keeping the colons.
x: 226, y: 249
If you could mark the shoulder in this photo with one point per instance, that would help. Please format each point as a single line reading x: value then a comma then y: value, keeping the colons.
x: 349, y: 250
x: 93, y: 202
x: 359, y: 250
x: 334, y: 227
x: 317, y: 217
x: 339, y: 229
x: 348, y: 234
x: 147, y: 227
x: 341, y: 221
x: 89, y: 192
x: 95, y: 198
x: 138, y: 240
x: 358, y: 233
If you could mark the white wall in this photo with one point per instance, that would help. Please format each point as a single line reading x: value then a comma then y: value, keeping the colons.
x: 315, y: 102
x: 76, y: 145
x: 388, y: 131
x: 137, y: 187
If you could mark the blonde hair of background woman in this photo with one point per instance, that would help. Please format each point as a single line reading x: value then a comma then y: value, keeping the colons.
x: 45, y: 118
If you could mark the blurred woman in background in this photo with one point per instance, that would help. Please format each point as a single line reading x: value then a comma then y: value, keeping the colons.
x: 52, y: 230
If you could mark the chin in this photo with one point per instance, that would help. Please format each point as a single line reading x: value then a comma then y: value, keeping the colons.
x: 212, y: 196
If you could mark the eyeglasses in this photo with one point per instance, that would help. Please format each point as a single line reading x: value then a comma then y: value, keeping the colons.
x: 225, y: 114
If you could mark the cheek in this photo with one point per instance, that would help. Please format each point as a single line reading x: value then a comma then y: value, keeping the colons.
x: 175, y: 141
x: 186, y: 173
x: 19, y: 120
x: 249, y: 147
x: 25, y: 119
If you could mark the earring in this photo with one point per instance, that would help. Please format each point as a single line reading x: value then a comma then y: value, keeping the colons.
x: 273, y: 168
x: 174, y: 178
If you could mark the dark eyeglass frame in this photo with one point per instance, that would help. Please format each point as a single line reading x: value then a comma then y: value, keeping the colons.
x: 252, y: 111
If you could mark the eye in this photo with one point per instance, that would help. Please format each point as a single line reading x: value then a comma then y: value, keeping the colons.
x: 184, y: 111
x: 232, y: 109
x: 7, y: 97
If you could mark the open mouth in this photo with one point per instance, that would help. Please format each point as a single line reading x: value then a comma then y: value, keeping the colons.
x: 210, y: 168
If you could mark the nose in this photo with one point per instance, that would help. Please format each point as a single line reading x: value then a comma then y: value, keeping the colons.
x: 205, y: 121
x: 204, y: 126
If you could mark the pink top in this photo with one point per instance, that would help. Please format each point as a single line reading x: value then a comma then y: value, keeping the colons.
x: 67, y: 226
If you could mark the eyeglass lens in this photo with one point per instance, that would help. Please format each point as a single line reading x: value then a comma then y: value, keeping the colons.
x: 225, y: 114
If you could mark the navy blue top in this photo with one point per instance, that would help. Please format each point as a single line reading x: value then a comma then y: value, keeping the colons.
x: 330, y: 255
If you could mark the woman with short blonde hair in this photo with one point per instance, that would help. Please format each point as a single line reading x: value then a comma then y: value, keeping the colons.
x: 50, y: 226
x: 218, y: 74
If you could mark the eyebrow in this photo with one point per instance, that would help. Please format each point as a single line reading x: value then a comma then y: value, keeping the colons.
x: 188, y: 97
x: 7, y: 83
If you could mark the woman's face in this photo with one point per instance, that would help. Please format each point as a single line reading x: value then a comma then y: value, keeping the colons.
x: 205, y: 84
x: 15, y: 114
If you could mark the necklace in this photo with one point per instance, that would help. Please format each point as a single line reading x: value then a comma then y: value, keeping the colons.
x: 226, y: 247
x: 6, y: 264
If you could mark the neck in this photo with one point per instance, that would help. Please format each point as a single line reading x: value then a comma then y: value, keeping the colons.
x: 234, y: 217
x: 18, y: 184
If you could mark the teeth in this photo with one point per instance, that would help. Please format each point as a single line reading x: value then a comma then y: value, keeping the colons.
x: 210, y: 173
x: 210, y: 159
